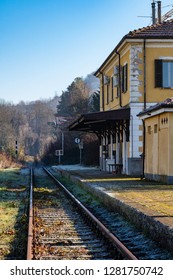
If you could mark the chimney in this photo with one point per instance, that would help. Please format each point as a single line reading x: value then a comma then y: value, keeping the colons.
x: 153, y: 5
x: 159, y: 11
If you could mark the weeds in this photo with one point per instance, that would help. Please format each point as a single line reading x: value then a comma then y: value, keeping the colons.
x: 13, y: 221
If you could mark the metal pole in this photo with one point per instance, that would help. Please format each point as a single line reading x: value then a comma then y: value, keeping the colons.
x: 80, y: 148
x: 153, y: 5
x: 159, y: 12
x: 59, y: 157
x: 62, y: 136
x: 80, y: 156
x: 30, y: 227
x: 16, y: 151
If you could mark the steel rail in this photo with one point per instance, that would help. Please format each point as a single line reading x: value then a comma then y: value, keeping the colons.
x: 125, y: 252
x: 30, y: 222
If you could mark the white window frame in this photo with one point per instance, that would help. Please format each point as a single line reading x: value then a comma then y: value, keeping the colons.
x: 167, y: 74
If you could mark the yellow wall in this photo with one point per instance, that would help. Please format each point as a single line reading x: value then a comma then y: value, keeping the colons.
x: 108, y: 71
x: 159, y: 148
x: 163, y: 145
x: 149, y: 151
x: 170, y: 142
x: 154, y: 50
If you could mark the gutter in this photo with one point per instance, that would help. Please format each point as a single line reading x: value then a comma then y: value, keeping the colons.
x: 110, y: 55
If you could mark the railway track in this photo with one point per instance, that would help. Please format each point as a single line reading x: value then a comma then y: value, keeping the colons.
x: 142, y: 246
x: 61, y: 227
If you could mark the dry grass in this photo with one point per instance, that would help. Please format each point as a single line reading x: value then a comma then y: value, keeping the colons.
x: 13, y: 222
x: 7, y: 161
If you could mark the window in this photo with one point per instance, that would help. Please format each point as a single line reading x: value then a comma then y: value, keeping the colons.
x: 149, y: 129
x: 168, y: 74
x: 106, y: 81
x: 163, y: 73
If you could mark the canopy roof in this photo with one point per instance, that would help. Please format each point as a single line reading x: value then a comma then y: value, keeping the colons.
x: 102, y: 122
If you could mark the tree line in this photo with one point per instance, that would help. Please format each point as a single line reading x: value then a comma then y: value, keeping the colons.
x: 23, y: 129
x: 32, y: 129
x: 82, y: 96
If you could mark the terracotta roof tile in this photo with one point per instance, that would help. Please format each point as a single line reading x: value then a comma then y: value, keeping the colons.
x: 161, y: 30
x: 168, y: 103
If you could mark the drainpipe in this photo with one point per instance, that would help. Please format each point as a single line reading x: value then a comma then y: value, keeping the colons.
x: 131, y: 118
x: 143, y: 156
x: 145, y: 97
x: 145, y: 93
x: 103, y: 103
x: 119, y: 82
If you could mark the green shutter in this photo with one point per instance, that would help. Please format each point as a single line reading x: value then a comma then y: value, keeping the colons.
x: 122, y: 80
x: 126, y: 77
x: 158, y: 73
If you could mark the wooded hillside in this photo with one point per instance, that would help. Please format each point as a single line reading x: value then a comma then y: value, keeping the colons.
x: 34, y: 129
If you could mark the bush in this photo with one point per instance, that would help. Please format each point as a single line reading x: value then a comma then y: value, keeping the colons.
x: 7, y: 161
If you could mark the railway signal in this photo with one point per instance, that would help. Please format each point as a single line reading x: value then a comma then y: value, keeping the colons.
x: 16, y: 148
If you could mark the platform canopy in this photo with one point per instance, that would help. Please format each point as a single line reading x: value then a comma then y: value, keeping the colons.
x: 103, y: 123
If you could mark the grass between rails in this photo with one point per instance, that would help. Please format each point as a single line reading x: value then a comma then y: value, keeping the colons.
x: 48, y: 197
x: 13, y: 214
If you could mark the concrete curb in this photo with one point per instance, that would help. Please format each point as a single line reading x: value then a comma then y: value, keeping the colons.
x: 159, y: 232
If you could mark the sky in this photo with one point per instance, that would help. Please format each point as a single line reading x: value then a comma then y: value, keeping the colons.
x: 46, y: 44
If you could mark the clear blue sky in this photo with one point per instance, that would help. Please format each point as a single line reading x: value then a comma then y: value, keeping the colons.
x: 46, y: 44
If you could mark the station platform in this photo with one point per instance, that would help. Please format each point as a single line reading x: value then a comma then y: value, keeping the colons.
x: 147, y: 204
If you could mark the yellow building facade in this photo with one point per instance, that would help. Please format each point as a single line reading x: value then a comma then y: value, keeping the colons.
x: 136, y: 75
x: 158, y: 140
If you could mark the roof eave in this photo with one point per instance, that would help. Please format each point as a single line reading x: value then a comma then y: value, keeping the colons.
x: 161, y: 108
x: 98, y: 118
x: 99, y: 70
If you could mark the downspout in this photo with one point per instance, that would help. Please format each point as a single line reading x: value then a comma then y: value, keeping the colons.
x: 119, y: 82
x: 143, y: 154
x: 145, y: 92
x: 103, y: 103
x: 143, y: 123
x: 131, y: 118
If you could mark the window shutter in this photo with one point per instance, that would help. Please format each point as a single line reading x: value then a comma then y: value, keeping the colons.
x: 158, y: 73
x: 103, y: 94
x: 122, y: 81
x: 112, y: 89
x: 126, y: 77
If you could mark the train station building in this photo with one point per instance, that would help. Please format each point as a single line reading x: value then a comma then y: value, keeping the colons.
x: 158, y: 139
x: 135, y: 76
